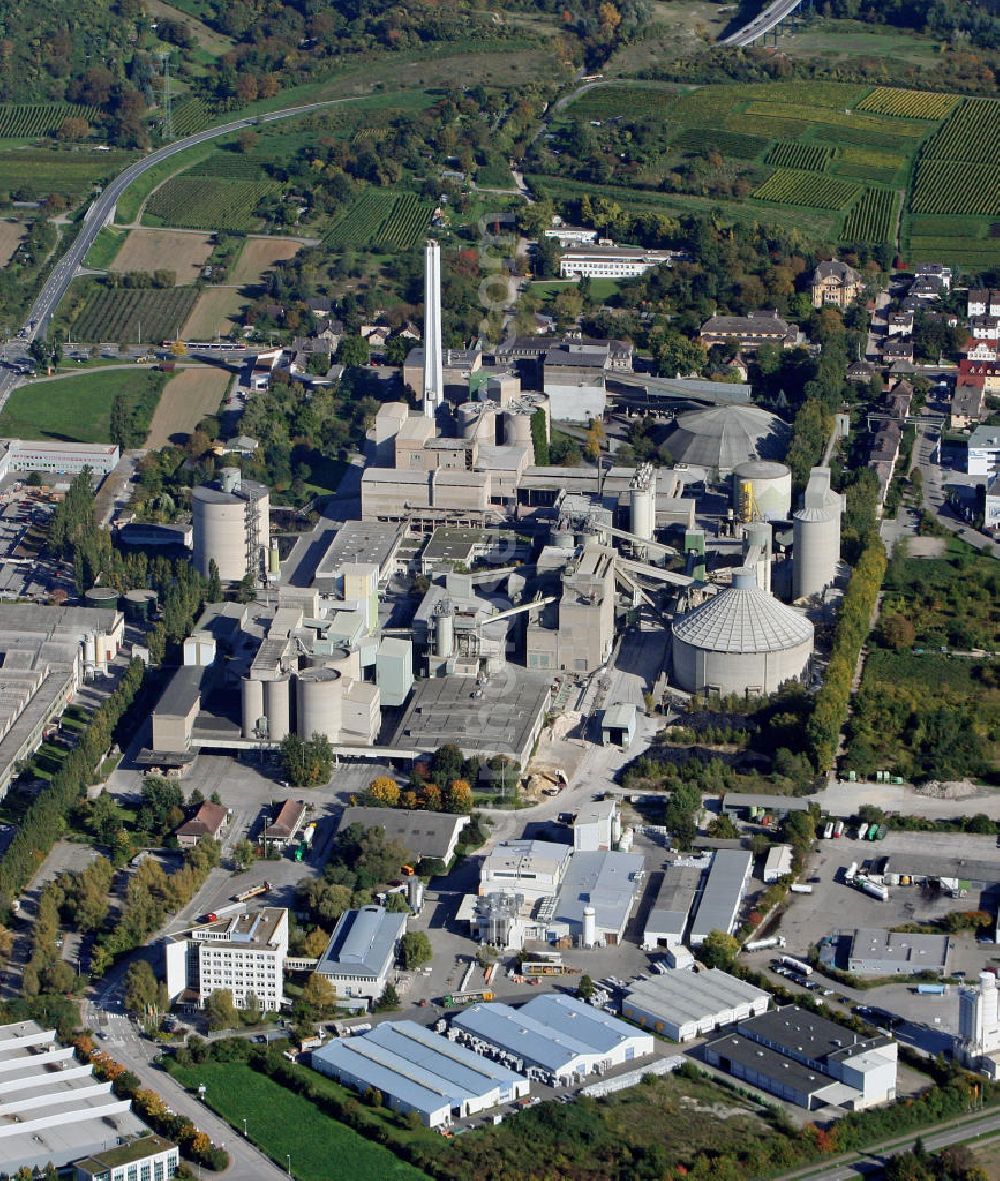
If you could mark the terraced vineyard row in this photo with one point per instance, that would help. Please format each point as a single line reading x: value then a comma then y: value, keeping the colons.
x: 119, y: 315
x: 381, y: 217
x: 27, y: 120
x: 228, y: 166
x: 191, y: 116
x: 908, y: 104
x: 790, y: 187
x: 809, y: 157
x: 209, y: 203
x: 729, y: 143
x: 872, y: 218
x: 956, y: 186
x: 971, y: 133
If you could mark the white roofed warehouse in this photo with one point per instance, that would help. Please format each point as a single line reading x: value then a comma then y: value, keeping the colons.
x: 556, y: 1039
x: 417, y: 1070
x: 684, y: 1005
x: 742, y: 641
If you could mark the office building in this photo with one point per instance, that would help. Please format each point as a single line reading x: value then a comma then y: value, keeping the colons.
x: 361, y: 954
x: 416, y: 1070
x: 983, y: 451
x: 149, y: 1158
x: 875, y: 951
x: 242, y: 954
x: 611, y: 262
x: 50, y: 457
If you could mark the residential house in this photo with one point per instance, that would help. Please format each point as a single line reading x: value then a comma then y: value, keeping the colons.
x: 835, y: 284
x: 209, y: 821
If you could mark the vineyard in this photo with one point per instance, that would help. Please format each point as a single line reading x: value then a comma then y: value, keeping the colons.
x: 806, y: 188
x: 872, y: 124
x: 971, y: 133
x: 875, y: 164
x: 729, y: 143
x: 956, y: 186
x: 809, y: 157
x: 370, y: 135
x: 872, y: 218
x: 604, y: 102
x: 382, y: 218
x: 908, y: 104
x: 35, y: 172
x: 227, y: 165
x: 209, y: 203
x: 114, y: 314
x: 191, y: 116
x: 27, y: 121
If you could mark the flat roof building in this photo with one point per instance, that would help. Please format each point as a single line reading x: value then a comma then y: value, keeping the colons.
x: 723, y: 894
x: 596, y: 826
x: 534, y: 869
x: 606, y: 884
x: 755, y: 805
x: 685, y: 1005
x: 422, y: 834
x: 558, y: 1039
x: 808, y: 1060
x: 54, y: 1110
x: 778, y: 864
x: 876, y: 951
x: 362, y: 951
x: 149, y: 1157
x: 420, y: 1071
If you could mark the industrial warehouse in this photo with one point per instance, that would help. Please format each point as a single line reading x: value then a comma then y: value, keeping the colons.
x: 420, y: 1071
x: 683, y: 1004
x: 555, y: 1039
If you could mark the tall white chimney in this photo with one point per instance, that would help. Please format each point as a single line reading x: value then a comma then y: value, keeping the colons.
x: 433, y: 369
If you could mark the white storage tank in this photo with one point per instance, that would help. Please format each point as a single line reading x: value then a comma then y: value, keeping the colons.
x: 320, y: 702
x: 278, y: 707
x: 742, y: 641
x: 469, y: 414
x: 218, y: 533
x: 765, y: 485
x: 444, y: 631
x: 816, y: 537
x: 642, y: 503
x: 517, y: 429
x: 589, y: 937
x: 253, y: 706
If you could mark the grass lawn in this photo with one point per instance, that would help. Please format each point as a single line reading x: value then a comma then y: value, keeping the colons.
x: 842, y: 40
x: 283, y: 1124
x: 599, y: 288
x: 325, y: 473
x: 106, y: 245
x: 78, y: 408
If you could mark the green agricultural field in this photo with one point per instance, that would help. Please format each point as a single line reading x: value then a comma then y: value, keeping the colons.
x: 873, y: 217
x: 811, y: 157
x: 286, y: 1125
x: 381, y: 217
x: 118, y: 315
x: 790, y: 187
x: 78, y: 408
x: 909, y: 104
x: 191, y: 115
x: 728, y: 143
x: 208, y: 203
x: 31, y: 120
x: 35, y: 172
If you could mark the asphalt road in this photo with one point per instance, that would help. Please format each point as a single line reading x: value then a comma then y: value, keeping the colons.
x: 763, y: 23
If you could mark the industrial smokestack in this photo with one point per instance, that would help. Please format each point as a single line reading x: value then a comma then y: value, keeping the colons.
x: 433, y: 369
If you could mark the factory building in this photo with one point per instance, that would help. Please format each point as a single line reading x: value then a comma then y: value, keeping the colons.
x: 54, y: 1110
x: 576, y: 633
x: 875, y: 951
x: 778, y: 864
x: 595, y: 899
x: 762, y: 490
x: 558, y: 1040
x: 683, y: 1005
x: 57, y: 458
x: 533, y: 869
x: 242, y: 954
x: 979, y: 1025
x: 230, y: 525
x: 597, y: 827
x: 808, y: 1060
x: 725, y: 887
x: 816, y: 533
x: 361, y: 954
x: 433, y: 835
x: 742, y: 641
x: 668, y: 917
x: 416, y: 1070
x: 46, y: 653
x: 724, y: 437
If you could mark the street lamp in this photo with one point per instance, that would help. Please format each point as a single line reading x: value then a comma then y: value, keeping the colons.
x: 288, y: 1157
x: 244, y: 1127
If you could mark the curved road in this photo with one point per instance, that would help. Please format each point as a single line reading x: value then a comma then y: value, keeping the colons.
x: 763, y: 23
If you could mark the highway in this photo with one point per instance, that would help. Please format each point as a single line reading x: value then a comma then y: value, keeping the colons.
x: 763, y: 23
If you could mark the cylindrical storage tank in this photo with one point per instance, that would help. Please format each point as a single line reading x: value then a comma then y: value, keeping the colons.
x: 319, y: 698
x: 742, y: 641
x: 274, y: 560
x: 764, y: 484
x: 444, y: 634
x: 758, y: 536
x: 563, y: 539
x: 253, y: 707
x: 468, y: 415
x: 517, y: 429
x: 816, y: 538
x: 218, y: 532
x: 139, y: 605
x: 101, y: 596
x: 278, y: 708
x: 230, y: 479
x: 589, y: 938
x: 345, y: 662
x: 642, y: 512
x: 415, y: 893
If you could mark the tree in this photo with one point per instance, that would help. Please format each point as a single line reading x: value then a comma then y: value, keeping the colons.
x: 719, y: 950
x: 595, y: 439
x: 723, y: 828
x: 382, y: 792
x: 415, y: 950
x: 243, y: 855
x: 220, y: 1011
x: 388, y: 1001
x: 315, y: 943
x: 142, y: 991
x: 178, y: 348
x: 458, y: 798
x: 307, y: 762
x: 354, y: 351
x: 319, y: 994
x: 585, y: 989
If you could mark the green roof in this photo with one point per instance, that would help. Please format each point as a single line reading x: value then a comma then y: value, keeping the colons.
x: 125, y: 1154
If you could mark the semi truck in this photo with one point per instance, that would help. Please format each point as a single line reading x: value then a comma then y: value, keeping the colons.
x: 252, y: 892
x: 764, y: 944
x: 873, y: 889
x: 800, y: 966
x: 931, y: 989
x: 800, y: 888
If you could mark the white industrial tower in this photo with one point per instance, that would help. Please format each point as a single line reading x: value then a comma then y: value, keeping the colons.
x: 433, y: 371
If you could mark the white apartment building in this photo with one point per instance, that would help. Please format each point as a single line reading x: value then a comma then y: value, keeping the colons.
x: 611, y: 262
x: 984, y: 327
x: 981, y: 302
x: 572, y: 236
x: 243, y: 954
